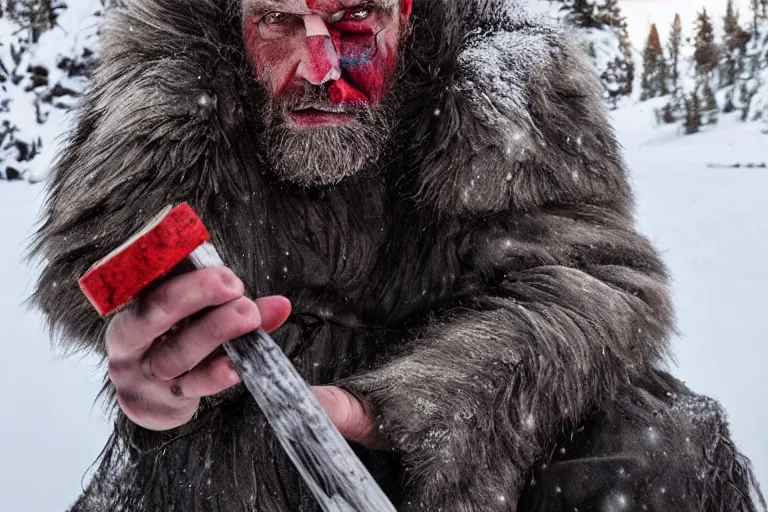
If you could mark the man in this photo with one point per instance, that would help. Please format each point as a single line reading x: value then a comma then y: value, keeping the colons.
x: 428, y: 202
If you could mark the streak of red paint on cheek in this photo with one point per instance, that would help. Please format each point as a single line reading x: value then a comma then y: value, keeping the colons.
x: 406, y: 7
x: 366, y: 83
x: 272, y: 62
x: 374, y: 77
x: 372, y: 80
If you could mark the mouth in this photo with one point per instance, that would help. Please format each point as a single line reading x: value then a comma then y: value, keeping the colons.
x: 320, y: 115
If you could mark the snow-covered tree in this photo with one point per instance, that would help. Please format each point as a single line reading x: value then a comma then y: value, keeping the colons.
x: 611, y: 50
x: 752, y: 84
x: 44, y: 67
x: 759, y: 10
x: 34, y: 16
x: 734, y: 47
x: 581, y: 13
x: 709, y: 108
x: 706, y: 52
x: 674, y: 109
x: 653, y: 80
x: 673, y: 47
x: 692, y: 114
x: 603, y: 31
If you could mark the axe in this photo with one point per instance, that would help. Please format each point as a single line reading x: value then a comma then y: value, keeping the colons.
x: 324, y: 459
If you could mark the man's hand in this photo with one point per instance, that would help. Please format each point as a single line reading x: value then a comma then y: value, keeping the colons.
x: 162, y: 365
x: 351, y: 417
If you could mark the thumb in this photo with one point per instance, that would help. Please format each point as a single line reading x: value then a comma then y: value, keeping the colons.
x: 350, y: 417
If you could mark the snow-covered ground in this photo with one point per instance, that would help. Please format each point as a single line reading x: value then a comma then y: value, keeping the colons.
x: 50, y: 432
x: 711, y: 224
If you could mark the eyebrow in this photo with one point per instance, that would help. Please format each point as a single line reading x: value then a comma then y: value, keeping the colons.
x: 253, y: 6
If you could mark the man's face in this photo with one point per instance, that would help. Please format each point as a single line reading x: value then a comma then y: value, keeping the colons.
x: 326, y: 65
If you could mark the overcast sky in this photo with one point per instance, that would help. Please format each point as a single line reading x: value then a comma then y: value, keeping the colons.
x: 641, y: 13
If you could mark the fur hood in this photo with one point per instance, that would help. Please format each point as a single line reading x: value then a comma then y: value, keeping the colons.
x: 504, y: 114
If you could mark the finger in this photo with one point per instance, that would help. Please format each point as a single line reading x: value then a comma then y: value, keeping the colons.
x: 210, y: 377
x: 194, y: 342
x: 274, y: 311
x: 134, y: 329
x: 350, y: 417
x: 156, y: 412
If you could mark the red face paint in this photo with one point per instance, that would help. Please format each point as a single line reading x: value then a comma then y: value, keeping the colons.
x: 406, y: 6
x: 351, y: 50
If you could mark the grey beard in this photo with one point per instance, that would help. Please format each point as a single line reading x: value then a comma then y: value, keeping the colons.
x: 326, y: 155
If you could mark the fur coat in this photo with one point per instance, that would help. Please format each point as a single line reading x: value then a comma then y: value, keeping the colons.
x: 482, y: 285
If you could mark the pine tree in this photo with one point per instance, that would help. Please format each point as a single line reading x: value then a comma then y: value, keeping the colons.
x: 673, y: 47
x: 709, y: 108
x: 705, y: 55
x: 692, y: 114
x: 609, y: 14
x: 653, y: 78
x: 759, y: 10
x: 663, y: 89
x: 581, y: 13
x: 619, y: 74
x: 674, y: 108
x: 735, y: 41
x: 729, y: 106
x: 35, y: 16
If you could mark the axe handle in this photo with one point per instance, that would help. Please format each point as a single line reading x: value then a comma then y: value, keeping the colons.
x: 323, y: 457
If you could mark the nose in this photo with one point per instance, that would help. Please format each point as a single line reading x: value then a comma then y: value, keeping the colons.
x: 319, y: 60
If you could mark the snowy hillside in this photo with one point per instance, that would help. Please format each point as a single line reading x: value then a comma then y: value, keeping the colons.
x: 711, y: 224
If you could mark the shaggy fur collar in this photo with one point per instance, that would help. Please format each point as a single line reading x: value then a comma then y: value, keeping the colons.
x: 502, y: 114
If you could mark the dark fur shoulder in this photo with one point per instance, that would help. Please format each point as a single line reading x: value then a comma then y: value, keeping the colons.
x: 510, y: 114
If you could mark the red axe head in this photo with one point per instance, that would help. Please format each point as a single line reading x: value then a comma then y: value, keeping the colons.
x: 149, y: 254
